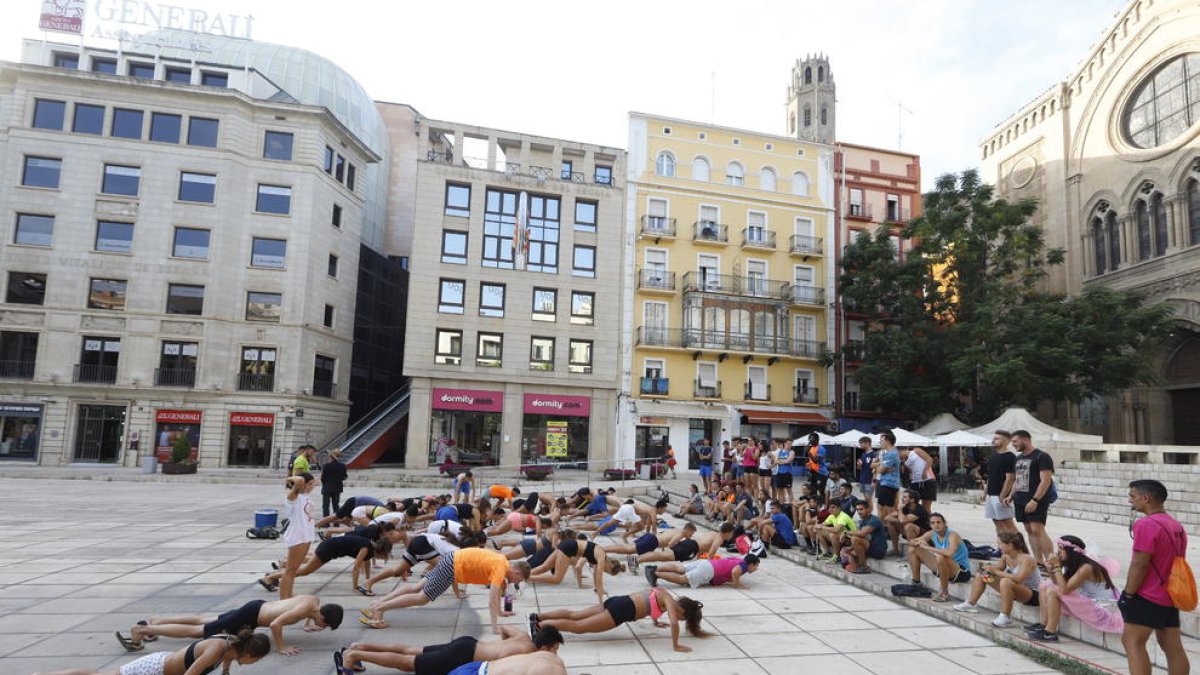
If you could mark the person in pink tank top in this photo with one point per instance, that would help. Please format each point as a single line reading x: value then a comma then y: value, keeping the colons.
x: 699, y: 573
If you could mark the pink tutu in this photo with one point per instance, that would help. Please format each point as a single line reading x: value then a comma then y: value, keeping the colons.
x: 1104, y: 617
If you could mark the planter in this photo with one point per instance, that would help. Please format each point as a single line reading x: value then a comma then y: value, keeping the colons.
x: 537, y: 472
x: 619, y: 474
x: 179, y: 468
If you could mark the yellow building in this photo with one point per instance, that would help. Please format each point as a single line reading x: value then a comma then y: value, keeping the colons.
x: 731, y: 284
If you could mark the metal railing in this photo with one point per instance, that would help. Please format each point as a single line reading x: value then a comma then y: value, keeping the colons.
x: 253, y: 382
x: 17, y: 370
x: 806, y: 245
x: 446, y: 157
x: 659, y: 280
x: 654, y: 336
x: 721, y: 340
x: 808, y: 295
x: 805, y: 395
x: 367, y: 421
x: 760, y: 392
x: 896, y: 215
x: 658, y: 226
x: 175, y: 377
x: 858, y: 211
x: 708, y: 231
x: 756, y: 237
x: 707, y: 390
x: 655, y: 386
x: 85, y: 372
x: 807, y: 349
x: 754, y: 287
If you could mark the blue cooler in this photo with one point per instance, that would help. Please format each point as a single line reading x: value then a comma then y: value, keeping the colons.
x: 266, y: 517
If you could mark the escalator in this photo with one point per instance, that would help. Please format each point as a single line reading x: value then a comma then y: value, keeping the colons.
x: 368, y: 439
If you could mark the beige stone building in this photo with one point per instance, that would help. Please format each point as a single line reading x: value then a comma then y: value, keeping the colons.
x: 1112, y: 153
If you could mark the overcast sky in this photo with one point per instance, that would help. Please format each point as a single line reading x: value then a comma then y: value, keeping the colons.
x: 574, y: 70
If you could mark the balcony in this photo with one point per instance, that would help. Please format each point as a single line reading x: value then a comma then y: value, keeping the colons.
x: 707, y: 390
x: 809, y: 395
x: 808, y: 295
x: 895, y: 214
x: 758, y: 392
x: 708, y: 232
x: 656, y: 280
x: 854, y: 350
x: 653, y: 336
x: 657, y: 227
x: 723, y: 341
x: 324, y: 389
x: 858, y: 211
x: 655, y: 386
x: 806, y: 246
x: 17, y: 370
x: 252, y: 382
x: 175, y: 377
x: 754, y: 287
x: 757, y: 237
x: 87, y: 372
x: 807, y: 349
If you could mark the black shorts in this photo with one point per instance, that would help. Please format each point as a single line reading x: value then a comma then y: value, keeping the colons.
x: 1034, y: 600
x: 1142, y: 612
x: 962, y: 577
x: 645, y: 543
x: 621, y: 609
x: 235, y: 620
x: 325, y: 551
x: 441, y: 659
x: 764, y: 472
x: 927, y: 489
x: 685, y: 550
x: 346, y: 510
x: 886, y: 496
x: 541, y: 556
x: 877, y: 552
x: 778, y: 542
x: 418, y: 549
x: 1038, y: 516
x: 782, y: 480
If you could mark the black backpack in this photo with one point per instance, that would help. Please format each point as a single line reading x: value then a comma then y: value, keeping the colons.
x: 911, y: 591
x: 267, y: 532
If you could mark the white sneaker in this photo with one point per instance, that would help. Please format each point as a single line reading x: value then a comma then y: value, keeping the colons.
x: 1002, y: 621
x: 965, y: 607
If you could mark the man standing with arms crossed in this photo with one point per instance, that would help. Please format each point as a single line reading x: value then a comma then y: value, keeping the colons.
x: 704, y: 454
x: 1033, y: 476
x: 866, y: 470
x: 999, y: 472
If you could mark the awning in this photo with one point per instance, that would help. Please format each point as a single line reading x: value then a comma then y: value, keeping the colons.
x: 784, y: 417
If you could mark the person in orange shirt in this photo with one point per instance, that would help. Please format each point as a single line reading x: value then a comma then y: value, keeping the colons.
x: 503, y: 493
x: 465, y: 566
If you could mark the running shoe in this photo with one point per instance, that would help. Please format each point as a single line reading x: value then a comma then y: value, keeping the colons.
x: 1002, y: 621
x: 965, y: 607
x: 651, y: 574
x: 1035, y: 627
x: 1043, y: 635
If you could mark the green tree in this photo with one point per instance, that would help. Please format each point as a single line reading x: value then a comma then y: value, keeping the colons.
x: 962, y: 322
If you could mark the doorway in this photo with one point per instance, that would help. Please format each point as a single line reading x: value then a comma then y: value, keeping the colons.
x: 651, y: 443
x: 99, y: 433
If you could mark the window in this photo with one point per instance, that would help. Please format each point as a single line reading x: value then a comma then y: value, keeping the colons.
x: 490, y: 352
x: 18, y: 354
x: 542, y: 227
x: 1158, y: 209
x: 699, y: 169
x: 824, y: 115
x: 263, y: 306
x: 336, y: 220
x: 491, y: 299
x: 1193, y: 216
x: 450, y: 296
x: 734, y: 174
x: 567, y: 169
x: 274, y: 199
x: 329, y: 313
x: 185, y: 299
x: 580, y: 356
x: 1114, y: 240
x: 1165, y: 104
x: 1141, y: 216
x: 177, y: 364
x: 114, y: 237
x: 458, y: 200
x: 448, y: 350
x: 68, y: 61
x: 584, y: 261
x: 179, y: 75
x: 107, y: 66
x: 99, y: 358
x: 41, y: 172
x: 1099, y: 246
x: 545, y: 304
x: 332, y: 269
x: 604, y: 175
x: 339, y: 168
x: 893, y: 208
x: 34, y: 230
x: 277, y: 145
x: 664, y: 165
x: 268, y: 253
x: 190, y: 242
x: 258, y: 369
x: 26, y: 288
x: 351, y: 174
x: 127, y: 123
x: 766, y: 179
x: 89, y: 119
x: 49, y: 114
x: 324, y: 371
x: 197, y: 187
x: 121, y: 180
x: 327, y: 161
x: 499, y: 224
x: 214, y: 79
x: 808, y: 116
x: 585, y: 215
x: 582, y: 312
x: 142, y: 70
x: 454, y: 247
x: 756, y: 227
x: 107, y: 294
x: 202, y: 132
x: 541, y: 353
x: 856, y: 202
x: 164, y: 128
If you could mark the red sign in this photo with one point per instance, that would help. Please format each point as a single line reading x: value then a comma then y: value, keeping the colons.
x: 63, y: 16
x: 467, y: 399
x: 551, y: 404
x: 179, y: 416
x: 252, y: 419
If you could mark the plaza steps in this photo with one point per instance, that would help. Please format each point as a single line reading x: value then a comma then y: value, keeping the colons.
x: 1098, y: 491
x: 1077, y: 642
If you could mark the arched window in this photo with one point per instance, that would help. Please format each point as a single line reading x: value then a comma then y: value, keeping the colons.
x: 824, y: 115
x: 1098, y: 245
x: 808, y: 116
x: 1141, y: 217
x: 699, y: 169
x: 734, y: 174
x: 1158, y: 212
x: 1114, y: 240
x: 800, y: 184
x: 766, y: 179
x: 1165, y: 104
x: 1193, y: 197
x: 665, y: 164
x: 808, y: 75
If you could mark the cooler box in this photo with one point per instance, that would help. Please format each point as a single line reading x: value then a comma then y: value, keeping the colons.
x: 266, y: 517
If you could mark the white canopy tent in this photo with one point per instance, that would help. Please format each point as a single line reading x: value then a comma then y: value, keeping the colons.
x: 1019, y: 418
x: 942, y: 424
x: 850, y: 438
x: 908, y: 439
x: 823, y: 439
x: 961, y: 439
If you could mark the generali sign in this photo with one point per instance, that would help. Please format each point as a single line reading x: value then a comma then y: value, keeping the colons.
x: 245, y: 419
x: 124, y: 19
x: 179, y: 416
x: 467, y: 399
x: 553, y: 404
x: 62, y: 16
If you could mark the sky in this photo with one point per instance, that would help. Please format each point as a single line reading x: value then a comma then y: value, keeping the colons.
x: 575, y: 70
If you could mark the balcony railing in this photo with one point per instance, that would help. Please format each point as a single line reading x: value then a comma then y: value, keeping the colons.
x: 446, y: 157
x: 807, y: 349
x: 853, y: 402
x: 654, y: 336
x: 656, y: 386
x: 657, y: 280
x: 860, y: 211
x: 854, y: 350
x: 324, y: 389
x: 754, y: 287
x: 758, y: 392
x: 658, y: 226
x: 757, y: 237
x: 175, y: 377
x: 252, y: 382
x: 720, y: 340
x: 808, y: 295
x: 708, y: 231
x: 17, y: 370
x: 707, y: 389
x: 896, y: 215
x: 805, y: 395
x: 86, y: 372
x: 805, y: 245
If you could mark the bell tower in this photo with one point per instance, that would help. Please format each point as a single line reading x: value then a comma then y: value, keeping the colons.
x: 812, y: 101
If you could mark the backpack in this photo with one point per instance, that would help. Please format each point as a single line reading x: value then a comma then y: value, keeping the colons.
x: 1052, y: 493
x: 262, y: 533
x: 911, y: 591
x: 1180, y: 583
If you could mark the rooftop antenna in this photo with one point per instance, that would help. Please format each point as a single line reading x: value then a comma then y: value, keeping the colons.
x: 900, y: 110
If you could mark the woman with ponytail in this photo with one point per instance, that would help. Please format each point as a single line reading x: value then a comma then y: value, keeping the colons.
x: 199, y: 658
x: 1079, y: 586
x: 619, y: 609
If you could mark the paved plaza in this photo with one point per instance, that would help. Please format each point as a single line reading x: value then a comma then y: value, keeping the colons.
x: 82, y: 559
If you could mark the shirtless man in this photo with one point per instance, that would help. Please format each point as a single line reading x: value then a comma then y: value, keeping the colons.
x: 687, y: 548
x: 444, y: 658
x: 544, y: 662
x: 635, y: 516
x: 254, y: 614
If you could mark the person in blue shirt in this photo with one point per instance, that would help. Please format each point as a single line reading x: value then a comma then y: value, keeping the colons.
x: 888, y: 471
x: 704, y: 454
x: 782, y: 458
x: 777, y: 529
x: 866, y: 472
x: 870, y: 540
x: 943, y: 551
x: 818, y: 472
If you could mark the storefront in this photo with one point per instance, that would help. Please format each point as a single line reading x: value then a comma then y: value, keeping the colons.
x: 20, y: 429
x: 99, y: 432
x: 763, y: 425
x: 653, y: 437
x: 250, y: 435
x: 464, y: 426
x: 173, y: 425
x: 555, y: 428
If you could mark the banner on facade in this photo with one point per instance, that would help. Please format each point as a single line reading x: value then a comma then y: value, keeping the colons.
x: 553, y: 404
x: 62, y: 16
x: 467, y: 399
x: 243, y: 419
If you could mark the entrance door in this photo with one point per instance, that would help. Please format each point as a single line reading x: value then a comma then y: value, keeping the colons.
x: 99, y: 433
x: 1185, y: 408
x: 651, y: 443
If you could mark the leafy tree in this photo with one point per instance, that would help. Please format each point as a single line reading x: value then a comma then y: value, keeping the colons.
x: 963, y: 322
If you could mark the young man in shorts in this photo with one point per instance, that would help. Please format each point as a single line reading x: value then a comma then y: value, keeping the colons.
x: 887, y: 472
x: 866, y: 470
x: 444, y: 658
x: 868, y: 541
x: 998, y: 473
x: 1033, y: 476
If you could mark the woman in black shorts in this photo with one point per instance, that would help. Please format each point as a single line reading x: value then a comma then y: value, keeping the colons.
x: 345, y: 546
x: 620, y: 609
x: 565, y: 555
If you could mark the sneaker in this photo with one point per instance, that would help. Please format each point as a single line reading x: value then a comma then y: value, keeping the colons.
x: 1002, y: 621
x: 535, y: 624
x: 651, y: 577
x: 1034, y: 627
x: 1044, y: 636
x: 631, y: 561
x: 965, y: 607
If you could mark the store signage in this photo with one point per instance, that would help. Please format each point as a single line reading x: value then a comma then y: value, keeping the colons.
x: 551, y: 404
x: 179, y: 416
x: 123, y: 19
x: 22, y: 409
x: 556, y: 438
x: 659, y: 421
x: 62, y: 16
x: 242, y: 419
x: 467, y: 399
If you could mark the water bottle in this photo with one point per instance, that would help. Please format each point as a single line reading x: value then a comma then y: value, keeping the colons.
x: 508, y: 602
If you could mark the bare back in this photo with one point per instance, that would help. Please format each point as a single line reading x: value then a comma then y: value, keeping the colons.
x: 277, y: 608
x: 499, y: 649
x: 537, y: 663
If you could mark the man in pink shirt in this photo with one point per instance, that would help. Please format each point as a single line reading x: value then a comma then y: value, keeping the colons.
x: 1145, y: 604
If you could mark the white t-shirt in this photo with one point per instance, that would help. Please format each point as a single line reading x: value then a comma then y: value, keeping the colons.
x: 440, y: 544
x: 439, y: 526
x: 396, y: 517
x: 301, y: 527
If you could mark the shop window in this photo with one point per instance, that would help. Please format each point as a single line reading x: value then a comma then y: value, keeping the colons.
x: 541, y: 353
x: 545, y: 303
x: 464, y: 437
x: 107, y: 294
x: 582, y: 312
x: 26, y: 288
x: 581, y: 356
x: 555, y: 438
x: 490, y: 350
x: 448, y: 351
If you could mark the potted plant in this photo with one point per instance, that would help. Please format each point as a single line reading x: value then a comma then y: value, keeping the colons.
x: 181, y: 458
